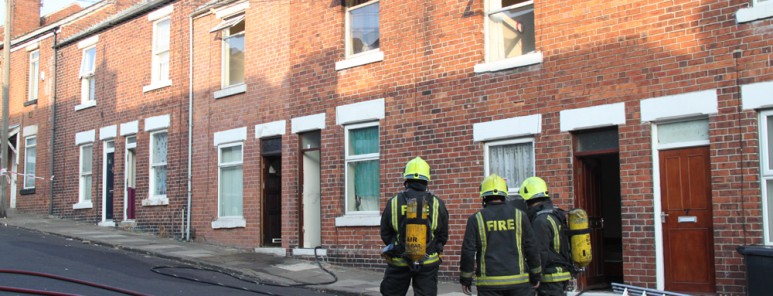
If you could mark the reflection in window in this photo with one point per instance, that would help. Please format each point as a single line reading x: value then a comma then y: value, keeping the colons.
x: 362, y: 25
x: 233, y: 54
x: 510, y: 28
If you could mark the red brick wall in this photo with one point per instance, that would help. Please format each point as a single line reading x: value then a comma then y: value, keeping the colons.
x: 595, y: 52
x: 26, y: 16
x: 121, y: 73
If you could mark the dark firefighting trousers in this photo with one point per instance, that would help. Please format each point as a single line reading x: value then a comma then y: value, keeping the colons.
x: 397, y: 279
x: 552, y: 289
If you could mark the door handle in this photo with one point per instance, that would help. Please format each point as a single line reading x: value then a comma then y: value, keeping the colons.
x: 663, y: 216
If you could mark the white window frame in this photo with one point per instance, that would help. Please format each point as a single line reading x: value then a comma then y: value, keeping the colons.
x: 27, y: 148
x: 511, y: 191
x: 157, y: 78
x: 526, y: 59
x: 151, y: 166
x: 82, y: 175
x: 766, y: 174
x: 226, y: 57
x: 220, y: 166
x: 357, y: 158
x: 34, y: 75
x: 87, y: 76
x: 348, y: 33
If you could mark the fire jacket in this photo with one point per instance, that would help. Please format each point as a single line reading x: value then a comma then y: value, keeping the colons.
x: 393, y: 225
x: 499, y: 241
x: 554, y: 243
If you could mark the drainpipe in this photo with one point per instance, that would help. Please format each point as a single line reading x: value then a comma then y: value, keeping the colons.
x: 190, y: 124
x: 53, y: 127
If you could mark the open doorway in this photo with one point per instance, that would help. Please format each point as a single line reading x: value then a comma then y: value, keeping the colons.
x: 597, y: 187
x: 310, y: 225
x: 271, y: 151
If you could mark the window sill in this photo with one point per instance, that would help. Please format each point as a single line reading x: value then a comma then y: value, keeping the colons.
x: 361, y: 59
x: 31, y: 102
x: 156, y: 85
x: 86, y: 105
x: 359, y: 220
x: 761, y: 11
x: 82, y: 205
x: 515, y: 62
x: 235, y: 222
x: 231, y: 90
x: 155, y: 201
x: 27, y: 191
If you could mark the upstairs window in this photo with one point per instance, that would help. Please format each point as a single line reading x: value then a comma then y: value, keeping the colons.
x: 160, y: 68
x: 34, y: 75
x: 88, y: 87
x: 510, y: 29
x: 362, y: 26
x: 232, y: 29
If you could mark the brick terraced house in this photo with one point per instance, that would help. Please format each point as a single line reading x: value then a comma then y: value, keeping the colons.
x: 282, y: 126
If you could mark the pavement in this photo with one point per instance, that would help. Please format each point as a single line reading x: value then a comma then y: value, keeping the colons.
x: 266, y: 268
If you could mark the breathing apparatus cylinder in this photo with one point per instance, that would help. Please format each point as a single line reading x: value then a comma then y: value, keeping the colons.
x: 415, y: 231
x: 580, y: 236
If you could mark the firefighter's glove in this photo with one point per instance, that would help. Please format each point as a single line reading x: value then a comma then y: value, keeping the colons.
x: 535, y: 278
x: 392, y: 251
x: 465, y: 281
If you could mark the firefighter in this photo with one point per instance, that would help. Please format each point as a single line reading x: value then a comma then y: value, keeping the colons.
x: 500, y: 237
x: 549, y: 231
x: 414, y: 228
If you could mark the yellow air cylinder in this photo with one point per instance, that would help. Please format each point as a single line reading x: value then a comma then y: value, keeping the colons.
x: 581, y: 247
x: 415, y: 233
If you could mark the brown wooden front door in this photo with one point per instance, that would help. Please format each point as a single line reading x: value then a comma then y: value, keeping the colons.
x: 598, y: 193
x: 685, y: 184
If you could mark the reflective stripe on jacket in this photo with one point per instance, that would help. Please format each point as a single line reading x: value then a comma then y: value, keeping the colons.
x: 499, y: 241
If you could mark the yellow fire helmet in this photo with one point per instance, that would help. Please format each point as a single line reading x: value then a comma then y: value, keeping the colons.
x: 417, y: 169
x: 493, y: 185
x: 534, y: 187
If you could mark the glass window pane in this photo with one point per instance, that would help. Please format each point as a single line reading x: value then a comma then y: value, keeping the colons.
x: 364, y: 30
x: 163, y: 66
x: 87, y: 66
x: 311, y: 140
x: 92, y: 88
x: 770, y: 142
x: 364, y: 176
x: 235, y: 56
x: 231, y: 191
x: 683, y: 131
x: 599, y: 140
x: 162, y: 35
x: 87, y: 188
x: 131, y: 140
x: 231, y: 154
x: 159, y: 174
x: 29, y: 163
x: 159, y: 148
x: 86, y: 160
x: 513, y: 162
x: 511, y: 33
x: 363, y: 140
x: 769, y: 185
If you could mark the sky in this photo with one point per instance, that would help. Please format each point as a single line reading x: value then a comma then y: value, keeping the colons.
x: 49, y: 6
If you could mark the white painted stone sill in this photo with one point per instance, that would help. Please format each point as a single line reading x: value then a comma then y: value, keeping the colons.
x: 357, y: 60
x: 83, y: 205
x: 515, y: 62
x: 359, y: 220
x: 229, y: 223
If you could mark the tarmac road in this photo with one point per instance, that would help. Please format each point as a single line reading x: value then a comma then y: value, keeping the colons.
x: 29, y: 251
